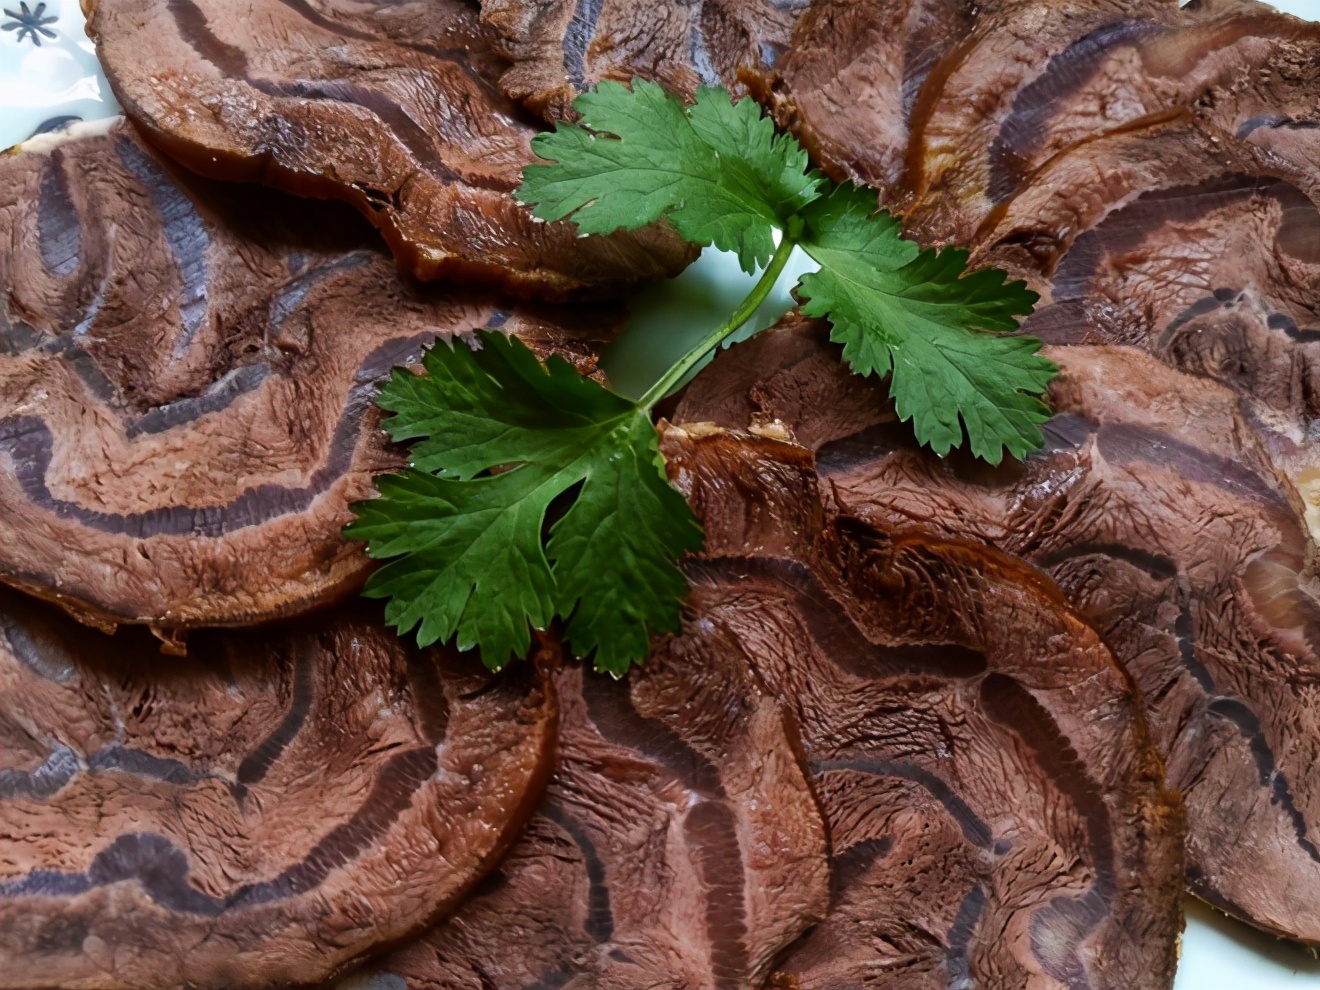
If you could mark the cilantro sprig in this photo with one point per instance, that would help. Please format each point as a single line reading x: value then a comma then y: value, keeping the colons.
x: 501, y: 438
x: 535, y: 494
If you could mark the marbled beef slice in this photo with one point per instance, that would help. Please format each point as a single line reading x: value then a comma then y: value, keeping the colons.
x: 1197, y: 247
x: 680, y: 845
x: 560, y: 48
x: 996, y: 811
x: 1158, y: 511
x: 187, y: 371
x: 281, y: 805
x: 390, y: 107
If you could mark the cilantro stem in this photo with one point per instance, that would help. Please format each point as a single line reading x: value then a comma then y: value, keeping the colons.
x: 745, y: 311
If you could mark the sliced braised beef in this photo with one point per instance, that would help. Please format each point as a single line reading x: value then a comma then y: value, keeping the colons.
x: 390, y: 107
x: 853, y: 77
x: 560, y: 48
x: 1192, y: 247
x: 1156, y: 509
x: 680, y: 846
x: 282, y: 804
x: 186, y: 376
x: 1276, y: 108
x: 997, y: 814
x: 1075, y: 73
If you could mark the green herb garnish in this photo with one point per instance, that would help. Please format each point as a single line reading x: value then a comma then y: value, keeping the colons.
x: 504, y: 442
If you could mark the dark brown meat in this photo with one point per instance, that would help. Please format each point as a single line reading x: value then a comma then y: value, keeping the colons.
x: 1045, y: 78
x: 561, y: 47
x: 387, y: 106
x: 997, y: 814
x: 854, y: 77
x: 1193, y: 247
x: 283, y: 804
x: 1156, y: 509
x: 186, y: 376
x: 680, y: 846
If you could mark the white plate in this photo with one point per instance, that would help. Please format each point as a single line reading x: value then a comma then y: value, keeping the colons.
x: 48, y: 69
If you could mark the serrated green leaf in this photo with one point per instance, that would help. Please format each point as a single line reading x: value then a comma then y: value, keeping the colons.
x: 718, y: 170
x: 919, y: 316
x: 467, y: 545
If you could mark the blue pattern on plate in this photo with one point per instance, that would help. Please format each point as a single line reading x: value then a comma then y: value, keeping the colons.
x: 30, y: 23
x: 49, y: 75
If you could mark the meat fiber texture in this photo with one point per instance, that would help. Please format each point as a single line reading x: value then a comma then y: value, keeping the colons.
x: 1196, y: 247
x: 997, y: 814
x: 288, y: 802
x: 561, y: 48
x: 849, y: 84
x: 1150, y: 170
x: 186, y: 379
x: 390, y: 107
x: 680, y: 845
x: 1157, y: 510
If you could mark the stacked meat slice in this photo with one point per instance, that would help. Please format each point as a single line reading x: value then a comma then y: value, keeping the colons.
x: 994, y: 808
x: 1156, y: 510
x: 890, y: 746
x: 186, y: 380
x: 390, y: 107
x: 1150, y: 170
x: 264, y: 815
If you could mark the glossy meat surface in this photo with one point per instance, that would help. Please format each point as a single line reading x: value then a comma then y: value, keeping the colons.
x: 186, y: 379
x: 392, y: 108
x: 280, y: 805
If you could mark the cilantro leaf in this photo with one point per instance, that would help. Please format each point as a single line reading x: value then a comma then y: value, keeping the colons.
x: 919, y: 316
x: 470, y: 557
x: 718, y: 170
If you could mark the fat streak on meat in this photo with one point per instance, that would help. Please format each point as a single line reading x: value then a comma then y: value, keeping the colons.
x: 1197, y: 247
x: 186, y: 379
x: 997, y: 814
x: 1158, y: 511
x: 850, y: 83
x: 390, y: 107
x: 277, y: 807
x: 560, y: 48
x: 680, y: 845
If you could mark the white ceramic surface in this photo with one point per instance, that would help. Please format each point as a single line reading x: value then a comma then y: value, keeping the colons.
x: 48, y: 69
x: 1309, y: 9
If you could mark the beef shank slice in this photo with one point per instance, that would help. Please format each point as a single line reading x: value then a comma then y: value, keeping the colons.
x: 852, y: 81
x: 1157, y: 510
x: 680, y: 845
x: 1046, y: 78
x: 389, y: 107
x: 1196, y: 247
x: 187, y: 371
x: 284, y: 803
x: 561, y: 48
x: 996, y: 811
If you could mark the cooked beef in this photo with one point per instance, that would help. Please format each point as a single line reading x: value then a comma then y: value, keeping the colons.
x: 1192, y: 247
x: 772, y: 385
x: 1046, y: 77
x: 1276, y: 108
x: 680, y: 846
x: 561, y: 47
x: 997, y: 814
x: 262, y: 816
x: 186, y: 376
x: 1156, y: 509
x: 853, y: 77
x: 387, y: 106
